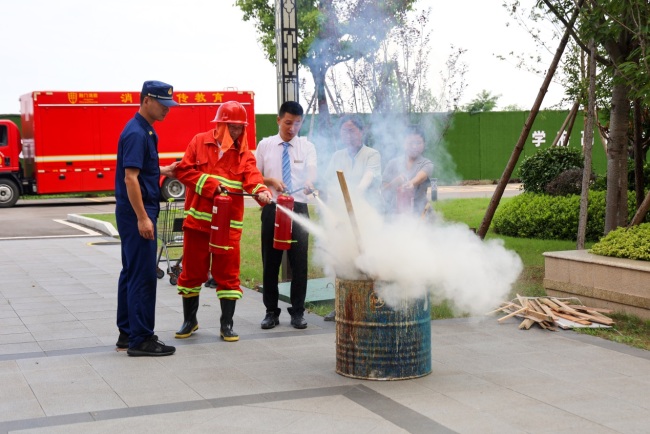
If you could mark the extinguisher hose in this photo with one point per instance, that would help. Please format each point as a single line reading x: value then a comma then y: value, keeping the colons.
x: 272, y: 200
x: 308, y: 192
x: 255, y: 195
x: 239, y: 194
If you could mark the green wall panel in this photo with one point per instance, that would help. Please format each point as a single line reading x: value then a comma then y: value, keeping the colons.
x: 462, y: 139
x: 265, y: 126
x: 470, y: 147
x: 498, y: 137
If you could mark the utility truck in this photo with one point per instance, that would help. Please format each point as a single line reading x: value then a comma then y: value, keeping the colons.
x: 69, y: 139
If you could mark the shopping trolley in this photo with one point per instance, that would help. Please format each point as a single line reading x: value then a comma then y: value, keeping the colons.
x: 170, y: 235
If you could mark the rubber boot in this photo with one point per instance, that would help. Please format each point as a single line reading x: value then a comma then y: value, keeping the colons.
x: 190, y: 324
x: 227, y: 311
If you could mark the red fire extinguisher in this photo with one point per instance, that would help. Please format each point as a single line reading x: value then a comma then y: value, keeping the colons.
x: 283, y: 222
x: 405, y: 200
x: 220, y: 224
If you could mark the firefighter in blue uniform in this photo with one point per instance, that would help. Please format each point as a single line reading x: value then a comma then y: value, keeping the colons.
x: 137, y: 194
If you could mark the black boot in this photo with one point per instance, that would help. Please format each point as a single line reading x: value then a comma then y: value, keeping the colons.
x: 190, y: 324
x: 227, y: 311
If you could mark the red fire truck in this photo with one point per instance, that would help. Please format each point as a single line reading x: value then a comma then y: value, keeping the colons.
x: 69, y: 139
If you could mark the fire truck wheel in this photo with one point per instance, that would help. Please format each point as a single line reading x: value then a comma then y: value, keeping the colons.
x: 8, y: 193
x: 172, y: 189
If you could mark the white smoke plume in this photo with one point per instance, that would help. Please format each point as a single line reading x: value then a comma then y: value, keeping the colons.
x: 409, y: 257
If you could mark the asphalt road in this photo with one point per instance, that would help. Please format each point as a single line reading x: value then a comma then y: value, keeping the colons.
x: 48, y: 217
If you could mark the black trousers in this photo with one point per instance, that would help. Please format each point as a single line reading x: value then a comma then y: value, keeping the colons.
x: 272, y: 260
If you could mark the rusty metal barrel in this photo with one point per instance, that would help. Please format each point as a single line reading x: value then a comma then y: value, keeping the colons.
x: 375, y: 341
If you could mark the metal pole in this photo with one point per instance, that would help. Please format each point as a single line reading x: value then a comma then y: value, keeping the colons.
x: 286, y: 39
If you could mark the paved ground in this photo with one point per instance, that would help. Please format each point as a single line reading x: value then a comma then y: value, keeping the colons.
x: 59, y: 371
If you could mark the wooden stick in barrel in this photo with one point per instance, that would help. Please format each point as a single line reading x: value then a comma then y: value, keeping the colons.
x: 348, y: 206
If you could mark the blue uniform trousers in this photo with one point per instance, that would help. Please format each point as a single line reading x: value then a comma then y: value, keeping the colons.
x: 136, y: 288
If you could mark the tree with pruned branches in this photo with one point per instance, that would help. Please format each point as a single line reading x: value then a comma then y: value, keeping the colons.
x: 329, y: 31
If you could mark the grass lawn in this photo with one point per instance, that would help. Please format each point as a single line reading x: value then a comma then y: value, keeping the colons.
x: 628, y: 330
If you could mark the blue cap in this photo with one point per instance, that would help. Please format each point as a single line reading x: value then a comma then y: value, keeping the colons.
x: 163, y: 92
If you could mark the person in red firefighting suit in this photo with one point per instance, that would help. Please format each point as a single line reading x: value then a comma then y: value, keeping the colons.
x: 216, y: 161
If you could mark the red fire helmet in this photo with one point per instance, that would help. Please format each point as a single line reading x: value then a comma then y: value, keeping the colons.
x: 231, y: 112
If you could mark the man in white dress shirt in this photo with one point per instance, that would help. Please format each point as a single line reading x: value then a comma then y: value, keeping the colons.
x: 302, y: 157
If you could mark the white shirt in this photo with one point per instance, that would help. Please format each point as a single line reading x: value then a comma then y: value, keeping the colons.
x: 303, y: 158
x: 366, y: 160
x: 355, y: 167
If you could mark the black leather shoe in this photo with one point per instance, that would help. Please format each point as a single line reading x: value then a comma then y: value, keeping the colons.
x: 151, y: 347
x: 298, y: 321
x: 270, y: 321
x: 122, y: 341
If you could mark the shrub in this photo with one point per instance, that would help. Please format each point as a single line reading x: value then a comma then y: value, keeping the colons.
x: 567, y: 182
x: 599, y: 184
x: 631, y: 180
x: 537, y: 170
x: 630, y: 243
x: 601, y: 181
x: 532, y: 215
x: 541, y: 216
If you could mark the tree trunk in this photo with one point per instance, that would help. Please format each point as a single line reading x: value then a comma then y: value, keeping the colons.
x: 569, y: 128
x: 641, y: 212
x: 587, y: 150
x: 519, y: 147
x: 639, y: 181
x: 323, y: 124
x: 319, y: 82
x: 616, y: 208
x: 570, y: 118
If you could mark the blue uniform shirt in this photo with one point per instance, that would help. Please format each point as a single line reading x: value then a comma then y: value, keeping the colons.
x: 137, y: 148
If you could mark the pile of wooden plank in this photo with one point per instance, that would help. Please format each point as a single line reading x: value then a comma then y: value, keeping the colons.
x: 551, y: 312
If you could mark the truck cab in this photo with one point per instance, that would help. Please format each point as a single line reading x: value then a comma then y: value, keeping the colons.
x: 10, y: 173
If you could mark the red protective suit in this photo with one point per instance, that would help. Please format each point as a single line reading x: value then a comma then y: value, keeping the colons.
x: 205, y: 167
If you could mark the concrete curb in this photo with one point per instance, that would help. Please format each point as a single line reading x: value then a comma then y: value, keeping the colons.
x: 103, y: 227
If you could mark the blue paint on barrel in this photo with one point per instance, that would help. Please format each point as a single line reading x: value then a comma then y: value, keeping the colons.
x: 375, y: 341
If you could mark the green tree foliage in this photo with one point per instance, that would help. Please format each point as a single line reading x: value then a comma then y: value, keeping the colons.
x: 620, y: 32
x: 483, y: 102
x: 537, y: 170
x: 513, y: 108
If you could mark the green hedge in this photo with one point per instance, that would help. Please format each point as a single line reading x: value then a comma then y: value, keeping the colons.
x: 632, y: 243
x: 532, y: 215
x: 539, y: 169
